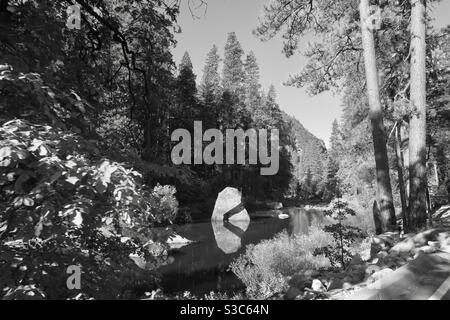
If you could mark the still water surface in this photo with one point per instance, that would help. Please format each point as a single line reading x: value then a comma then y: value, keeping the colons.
x: 202, y: 267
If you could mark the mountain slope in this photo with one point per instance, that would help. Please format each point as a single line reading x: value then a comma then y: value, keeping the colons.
x: 309, y: 154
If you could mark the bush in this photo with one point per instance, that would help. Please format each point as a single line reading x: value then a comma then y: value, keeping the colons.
x: 264, y: 268
x: 61, y: 203
x: 363, y: 218
x: 344, y: 235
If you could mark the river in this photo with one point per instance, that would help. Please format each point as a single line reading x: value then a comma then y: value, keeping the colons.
x: 203, y: 266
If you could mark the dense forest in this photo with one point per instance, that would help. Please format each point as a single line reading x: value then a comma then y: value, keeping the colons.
x: 86, y: 122
x: 87, y: 115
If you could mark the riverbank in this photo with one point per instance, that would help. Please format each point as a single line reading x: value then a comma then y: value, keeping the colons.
x: 388, y: 269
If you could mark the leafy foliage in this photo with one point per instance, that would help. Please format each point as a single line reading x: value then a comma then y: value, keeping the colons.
x: 344, y: 235
x: 61, y: 200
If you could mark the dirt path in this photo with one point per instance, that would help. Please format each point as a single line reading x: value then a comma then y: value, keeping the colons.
x: 427, y: 277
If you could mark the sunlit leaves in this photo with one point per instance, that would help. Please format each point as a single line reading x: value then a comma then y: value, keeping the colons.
x: 25, y: 201
x: 47, y: 168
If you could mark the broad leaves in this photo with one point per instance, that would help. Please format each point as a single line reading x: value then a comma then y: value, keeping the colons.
x: 57, y: 191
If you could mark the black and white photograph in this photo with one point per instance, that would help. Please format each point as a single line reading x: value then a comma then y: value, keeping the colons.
x: 225, y: 155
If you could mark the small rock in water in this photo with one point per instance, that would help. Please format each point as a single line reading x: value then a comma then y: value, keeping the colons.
x: 176, y: 241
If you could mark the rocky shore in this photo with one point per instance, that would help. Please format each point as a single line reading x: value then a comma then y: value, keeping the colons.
x: 387, y: 253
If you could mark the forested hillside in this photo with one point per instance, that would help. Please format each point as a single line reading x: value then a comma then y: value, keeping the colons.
x: 309, y: 161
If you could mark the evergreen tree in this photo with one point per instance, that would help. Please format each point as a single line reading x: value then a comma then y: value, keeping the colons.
x: 210, y: 86
x: 186, y: 109
x: 272, y: 93
x: 332, y: 187
x: 417, y: 122
x: 251, y: 84
x: 233, y: 67
x: 210, y: 90
x: 268, y: 113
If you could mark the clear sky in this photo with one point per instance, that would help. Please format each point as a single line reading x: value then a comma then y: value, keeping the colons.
x: 241, y: 16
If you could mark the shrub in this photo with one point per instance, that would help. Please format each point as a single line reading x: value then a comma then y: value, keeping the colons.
x: 339, y: 252
x: 61, y: 203
x: 264, y: 268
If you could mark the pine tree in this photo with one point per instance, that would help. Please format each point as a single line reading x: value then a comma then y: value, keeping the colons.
x: 186, y: 81
x: 335, y: 139
x: 268, y: 114
x: 233, y: 67
x: 251, y: 84
x: 272, y: 93
x: 186, y: 108
x: 417, y: 123
x: 210, y: 86
x: 210, y: 90
x: 332, y: 188
x: 384, y: 190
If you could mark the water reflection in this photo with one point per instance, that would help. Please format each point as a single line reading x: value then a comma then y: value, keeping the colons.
x: 228, y: 234
x: 300, y: 220
x: 203, y: 265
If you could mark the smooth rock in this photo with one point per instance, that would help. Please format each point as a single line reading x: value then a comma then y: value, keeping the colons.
x: 434, y: 244
x: 346, y: 285
x: 404, y: 247
x: 380, y: 274
x: 370, y: 270
x: 228, y: 199
x: 176, y: 241
x: 283, y: 216
x: 318, y: 286
x: 422, y: 238
x: 425, y: 249
x: 445, y: 248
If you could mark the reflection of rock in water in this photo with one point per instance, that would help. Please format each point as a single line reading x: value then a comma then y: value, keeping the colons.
x: 229, y: 234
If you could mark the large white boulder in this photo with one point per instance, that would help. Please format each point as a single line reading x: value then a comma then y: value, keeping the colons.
x: 228, y: 199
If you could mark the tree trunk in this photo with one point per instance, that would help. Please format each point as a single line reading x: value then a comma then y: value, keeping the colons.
x: 400, y: 170
x: 417, y: 124
x: 384, y: 190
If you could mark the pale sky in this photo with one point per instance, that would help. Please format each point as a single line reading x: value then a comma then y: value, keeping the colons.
x: 241, y: 16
